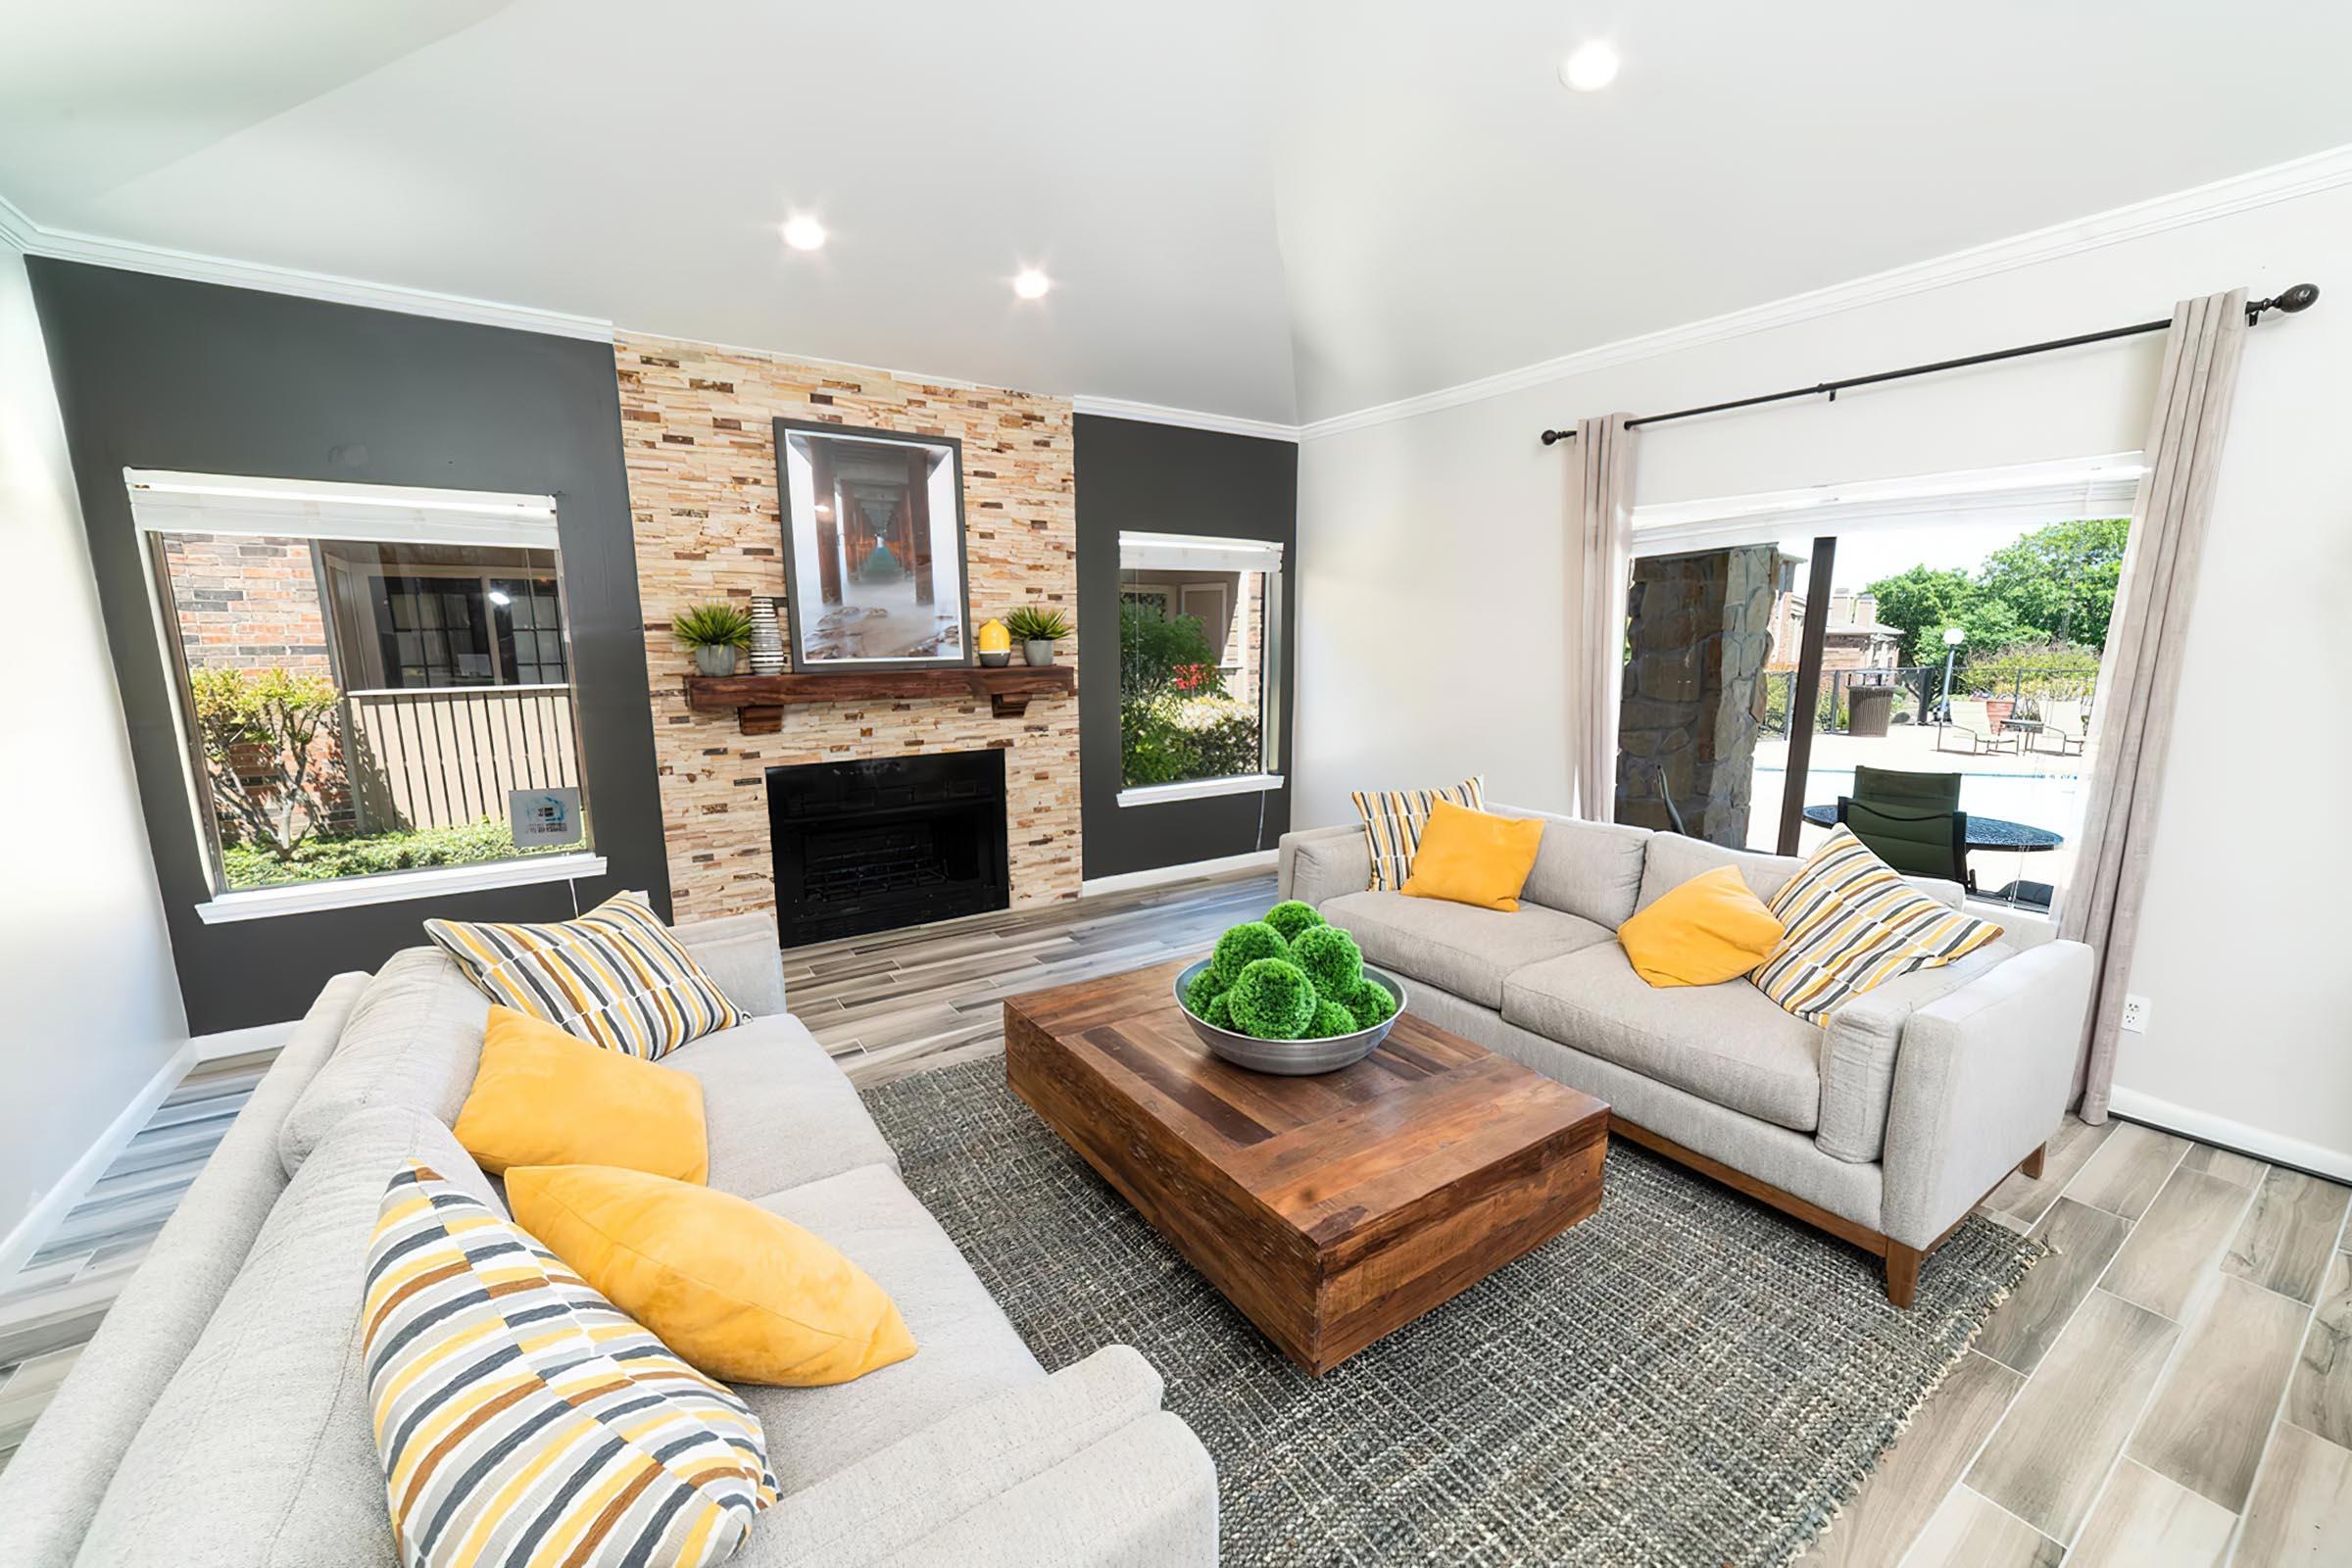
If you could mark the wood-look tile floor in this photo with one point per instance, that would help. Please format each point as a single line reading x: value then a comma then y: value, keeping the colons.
x: 2172, y: 1386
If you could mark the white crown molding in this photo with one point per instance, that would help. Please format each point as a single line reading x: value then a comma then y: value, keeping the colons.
x: 1190, y: 419
x: 65, y: 245
x: 2281, y: 182
x: 15, y: 229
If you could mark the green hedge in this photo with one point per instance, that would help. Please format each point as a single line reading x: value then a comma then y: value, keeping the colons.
x: 319, y: 860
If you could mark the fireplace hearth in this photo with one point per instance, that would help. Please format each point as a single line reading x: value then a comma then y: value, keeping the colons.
x: 873, y: 844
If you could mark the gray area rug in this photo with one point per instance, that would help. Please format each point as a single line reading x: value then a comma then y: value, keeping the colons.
x: 1685, y: 1377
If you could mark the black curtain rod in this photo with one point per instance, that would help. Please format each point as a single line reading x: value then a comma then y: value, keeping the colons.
x: 2295, y: 300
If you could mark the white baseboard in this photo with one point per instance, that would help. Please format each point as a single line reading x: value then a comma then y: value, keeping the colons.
x: 41, y: 1221
x: 242, y: 1042
x: 2132, y: 1105
x: 1157, y: 875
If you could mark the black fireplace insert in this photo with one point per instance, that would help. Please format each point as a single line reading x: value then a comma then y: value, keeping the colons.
x: 873, y: 844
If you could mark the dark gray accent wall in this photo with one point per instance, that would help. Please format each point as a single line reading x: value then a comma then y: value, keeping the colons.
x: 156, y: 372
x: 1160, y: 478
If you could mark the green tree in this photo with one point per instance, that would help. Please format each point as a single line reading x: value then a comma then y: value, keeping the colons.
x: 2060, y: 581
x: 258, y: 729
x: 1921, y: 603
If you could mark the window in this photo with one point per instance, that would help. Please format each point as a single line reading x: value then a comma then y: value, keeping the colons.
x: 1961, y: 636
x: 1200, y: 666
x: 367, y: 676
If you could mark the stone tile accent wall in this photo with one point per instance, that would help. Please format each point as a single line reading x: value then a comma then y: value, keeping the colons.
x: 696, y: 425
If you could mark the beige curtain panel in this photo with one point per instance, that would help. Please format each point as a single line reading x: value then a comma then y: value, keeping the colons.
x: 2141, y: 671
x: 1604, y: 520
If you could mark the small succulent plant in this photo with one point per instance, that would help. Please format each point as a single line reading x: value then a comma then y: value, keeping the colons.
x: 1032, y: 624
x: 716, y: 624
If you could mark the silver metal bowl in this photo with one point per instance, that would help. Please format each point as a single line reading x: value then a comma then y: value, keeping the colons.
x: 1291, y: 1057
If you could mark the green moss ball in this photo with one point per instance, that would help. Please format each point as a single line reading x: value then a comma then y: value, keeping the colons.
x: 1243, y: 946
x: 1370, y: 1003
x: 1207, y: 986
x: 1292, y: 916
x: 1273, y: 1000
x: 1219, y: 1010
x: 1330, y: 960
x: 1332, y: 1019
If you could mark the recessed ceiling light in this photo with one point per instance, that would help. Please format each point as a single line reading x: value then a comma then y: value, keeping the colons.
x: 805, y: 233
x: 1031, y: 284
x: 1590, y: 68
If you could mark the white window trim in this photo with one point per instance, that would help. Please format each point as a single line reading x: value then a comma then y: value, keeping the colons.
x: 395, y: 887
x: 167, y: 500
x: 1196, y: 789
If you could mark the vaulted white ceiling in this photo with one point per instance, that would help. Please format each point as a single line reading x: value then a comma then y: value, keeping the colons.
x: 1274, y: 211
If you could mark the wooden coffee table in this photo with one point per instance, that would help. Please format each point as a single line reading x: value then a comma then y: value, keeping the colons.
x: 1331, y: 1210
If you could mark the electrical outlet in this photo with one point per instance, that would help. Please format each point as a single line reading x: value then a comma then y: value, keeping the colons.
x: 2135, y: 1014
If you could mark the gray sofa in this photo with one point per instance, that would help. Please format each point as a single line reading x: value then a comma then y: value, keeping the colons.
x: 220, y: 1419
x: 1884, y: 1127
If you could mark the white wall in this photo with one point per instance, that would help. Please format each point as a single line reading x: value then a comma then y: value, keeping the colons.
x: 1436, y: 583
x: 87, y: 987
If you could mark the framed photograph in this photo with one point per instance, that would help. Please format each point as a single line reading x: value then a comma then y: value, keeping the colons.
x: 873, y: 548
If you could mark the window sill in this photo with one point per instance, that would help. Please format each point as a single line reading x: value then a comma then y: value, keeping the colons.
x: 395, y: 887
x: 1200, y: 789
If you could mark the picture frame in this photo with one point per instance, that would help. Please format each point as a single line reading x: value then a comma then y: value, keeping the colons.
x: 875, y: 571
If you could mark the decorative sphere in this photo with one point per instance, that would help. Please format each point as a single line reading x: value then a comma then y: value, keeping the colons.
x: 1332, y: 1019
x: 1292, y: 916
x: 1330, y: 960
x: 1273, y: 1000
x: 1243, y: 946
x: 1370, y: 1003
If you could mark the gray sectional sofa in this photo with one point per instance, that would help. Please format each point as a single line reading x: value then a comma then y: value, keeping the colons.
x: 1886, y: 1127
x: 220, y: 1419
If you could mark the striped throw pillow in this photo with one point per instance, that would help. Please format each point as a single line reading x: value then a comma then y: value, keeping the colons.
x: 1392, y: 822
x: 1850, y: 922
x: 615, y: 976
x: 521, y: 1418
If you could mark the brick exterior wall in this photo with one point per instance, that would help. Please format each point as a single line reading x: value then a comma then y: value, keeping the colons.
x: 702, y: 467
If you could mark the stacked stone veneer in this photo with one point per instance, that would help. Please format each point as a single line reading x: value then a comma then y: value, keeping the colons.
x: 1698, y: 630
x: 697, y: 425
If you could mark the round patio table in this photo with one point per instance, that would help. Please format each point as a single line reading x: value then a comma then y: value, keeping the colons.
x: 1983, y: 832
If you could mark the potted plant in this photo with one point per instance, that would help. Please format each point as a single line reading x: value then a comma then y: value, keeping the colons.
x: 717, y: 632
x: 1037, y: 631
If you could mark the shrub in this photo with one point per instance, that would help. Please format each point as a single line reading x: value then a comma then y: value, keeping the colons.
x: 1370, y: 1003
x: 1272, y: 999
x: 1292, y: 916
x: 1242, y: 946
x: 1330, y: 960
x: 1331, y: 1019
x: 1207, y: 986
x: 321, y: 859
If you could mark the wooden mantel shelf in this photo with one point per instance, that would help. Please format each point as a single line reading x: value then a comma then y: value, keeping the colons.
x: 759, y: 700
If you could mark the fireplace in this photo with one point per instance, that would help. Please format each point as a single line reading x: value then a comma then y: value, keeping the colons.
x: 869, y: 846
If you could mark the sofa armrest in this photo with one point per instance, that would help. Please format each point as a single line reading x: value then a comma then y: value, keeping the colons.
x: 1322, y: 863
x: 739, y: 952
x: 1981, y: 1080
x: 1146, y: 1496
x: 926, y: 1480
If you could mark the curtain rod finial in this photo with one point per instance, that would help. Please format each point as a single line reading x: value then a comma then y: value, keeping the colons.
x: 2293, y: 301
x: 1552, y: 438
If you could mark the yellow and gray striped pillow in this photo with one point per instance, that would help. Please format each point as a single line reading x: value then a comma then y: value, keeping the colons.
x: 521, y: 1418
x: 615, y: 976
x: 1851, y: 923
x: 1394, y: 818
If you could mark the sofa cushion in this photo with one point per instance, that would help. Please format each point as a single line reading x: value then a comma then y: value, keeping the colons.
x: 1465, y: 951
x: 1727, y: 1043
x: 260, y: 1450
x: 1589, y: 868
x: 413, y: 1040
x: 778, y: 1112
x: 968, y: 1350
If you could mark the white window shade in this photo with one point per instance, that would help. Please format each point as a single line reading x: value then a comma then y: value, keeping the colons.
x: 167, y: 502
x: 1184, y: 552
x: 2026, y: 494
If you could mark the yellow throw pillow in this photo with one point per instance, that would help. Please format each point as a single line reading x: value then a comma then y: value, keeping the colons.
x: 740, y: 1293
x: 1706, y: 931
x: 543, y: 1097
x: 1476, y: 857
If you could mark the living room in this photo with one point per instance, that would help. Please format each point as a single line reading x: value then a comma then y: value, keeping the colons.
x: 1502, y: 810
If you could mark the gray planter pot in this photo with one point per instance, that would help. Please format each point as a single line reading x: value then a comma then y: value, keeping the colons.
x: 1038, y: 650
x: 715, y: 660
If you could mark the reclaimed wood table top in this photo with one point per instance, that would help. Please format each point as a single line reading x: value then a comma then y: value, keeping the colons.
x: 1331, y: 1210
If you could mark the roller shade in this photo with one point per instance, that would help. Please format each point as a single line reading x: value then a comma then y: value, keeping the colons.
x: 1184, y: 552
x: 167, y: 502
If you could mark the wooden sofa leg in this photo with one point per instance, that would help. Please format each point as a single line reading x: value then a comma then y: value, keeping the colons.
x: 1903, y: 1274
x: 2032, y: 1168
